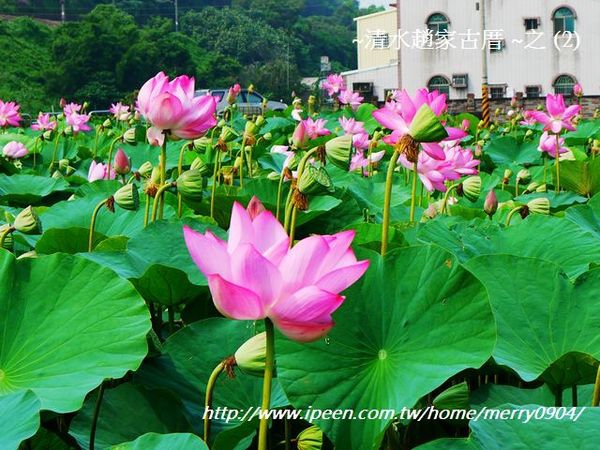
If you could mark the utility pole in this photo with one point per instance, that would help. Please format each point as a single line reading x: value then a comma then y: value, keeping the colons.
x: 62, y: 11
x: 485, y: 97
x: 176, y: 15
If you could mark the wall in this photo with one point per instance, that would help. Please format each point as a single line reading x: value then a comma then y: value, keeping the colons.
x: 368, y: 57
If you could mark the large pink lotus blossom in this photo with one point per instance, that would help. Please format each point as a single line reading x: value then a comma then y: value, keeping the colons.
x: 334, y: 84
x: 99, y: 171
x: 360, y: 160
x: 255, y: 274
x: 71, y: 108
x: 316, y: 128
x: 44, y: 123
x: 78, y: 122
x: 171, y: 108
x: 398, y: 117
x: 14, y: 150
x: 120, y: 111
x: 353, y: 99
x: 559, y: 117
x: 351, y: 126
x: 9, y: 114
x: 548, y: 144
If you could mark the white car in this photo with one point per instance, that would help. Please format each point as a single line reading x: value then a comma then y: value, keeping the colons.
x: 249, y: 103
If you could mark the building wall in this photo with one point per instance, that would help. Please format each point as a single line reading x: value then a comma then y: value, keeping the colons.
x: 515, y: 66
x: 383, y: 78
x: 369, y: 57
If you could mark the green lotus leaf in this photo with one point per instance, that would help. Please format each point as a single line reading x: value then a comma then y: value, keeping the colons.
x: 587, y: 217
x: 29, y: 189
x: 20, y: 418
x: 424, y: 311
x: 156, y: 441
x: 582, y: 177
x: 507, y: 151
x: 493, y: 395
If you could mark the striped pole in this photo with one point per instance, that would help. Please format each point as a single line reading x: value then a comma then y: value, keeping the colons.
x: 485, y: 105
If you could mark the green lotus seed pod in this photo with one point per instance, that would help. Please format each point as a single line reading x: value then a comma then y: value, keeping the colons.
x: 471, y: 188
x: 48, y: 135
x: 155, y: 176
x: 8, y: 242
x: 57, y: 175
x: 310, y: 439
x: 251, y: 128
x: 202, y: 143
x: 63, y: 164
x: 28, y: 222
x: 339, y: 150
x: 189, y: 185
x: 228, y: 134
x: 145, y: 169
x: 426, y: 126
x: 267, y: 137
x: 251, y: 357
x: 68, y: 131
x: 107, y: 123
x: 221, y: 123
x: 315, y: 181
x: 532, y: 187
x: 199, y: 165
x: 260, y: 121
x: 128, y: 197
x: 524, y: 176
x: 508, y: 173
x: 130, y: 136
x: 539, y: 206
x: 542, y: 188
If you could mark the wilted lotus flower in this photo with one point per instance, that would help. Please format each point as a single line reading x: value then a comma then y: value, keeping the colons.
x: 9, y: 114
x: 255, y: 274
x: 14, y: 150
x: 122, y: 164
x: 170, y: 106
x: 490, y: 206
x: 44, y: 123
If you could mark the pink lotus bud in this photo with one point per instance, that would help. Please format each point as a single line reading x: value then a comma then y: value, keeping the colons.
x: 233, y: 93
x: 490, y: 205
x: 300, y: 136
x: 514, y: 102
x: 122, y: 163
x: 62, y: 102
x: 255, y: 208
x: 466, y: 125
x: 578, y: 90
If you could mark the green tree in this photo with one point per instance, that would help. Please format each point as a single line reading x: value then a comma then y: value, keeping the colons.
x: 277, y: 13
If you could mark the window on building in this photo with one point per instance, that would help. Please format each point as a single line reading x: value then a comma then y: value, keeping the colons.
x: 439, y: 83
x: 533, y: 91
x: 380, y: 40
x: 438, y: 24
x: 498, y: 91
x: 496, y: 45
x: 564, y: 85
x: 460, y: 81
x: 564, y: 21
x: 532, y: 23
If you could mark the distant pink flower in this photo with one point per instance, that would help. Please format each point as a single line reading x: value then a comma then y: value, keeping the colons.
x: 99, y: 171
x: 360, y: 160
x: 120, y: 111
x: 353, y: 99
x: 528, y: 118
x: 44, y: 123
x: 548, y: 144
x: 170, y: 107
x: 255, y: 274
x: 233, y: 93
x: 9, y: 114
x: 361, y: 141
x: 316, y: 128
x: 351, y: 126
x: 578, y: 90
x: 14, y: 150
x: 71, y: 108
x: 334, y: 84
x: 78, y: 122
x: 559, y: 116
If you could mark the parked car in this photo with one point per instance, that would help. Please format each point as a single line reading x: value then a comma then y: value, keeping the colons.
x: 248, y: 102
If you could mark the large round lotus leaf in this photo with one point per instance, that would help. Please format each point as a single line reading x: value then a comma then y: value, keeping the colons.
x: 29, y: 189
x: 540, y: 314
x: 174, y: 441
x: 587, y: 217
x: 507, y: 151
x: 128, y: 412
x: 494, y: 395
x: 554, y: 434
x: 582, y: 177
x: 20, y: 418
x: 66, y: 324
x: 415, y: 319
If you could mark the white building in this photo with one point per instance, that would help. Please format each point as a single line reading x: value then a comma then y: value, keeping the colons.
x: 438, y: 43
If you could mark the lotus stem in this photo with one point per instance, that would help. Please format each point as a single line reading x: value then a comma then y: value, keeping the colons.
x: 95, y: 416
x: 511, y: 214
x: 110, y: 153
x: 446, y: 197
x: 179, y: 172
x: 163, y: 178
x: 214, y: 186
x: 266, y: 397
x: 54, y: 153
x: 596, y: 398
x: 293, y: 225
x: 146, y: 210
x: 279, y: 193
x: 387, y: 202
x: 210, y: 386
x: 574, y: 398
x: 413, y: 193
x: 157, y: 197
x: 242, y: 158
x: 93, y: 224
x: 35, y: 145
x: 557, y: 164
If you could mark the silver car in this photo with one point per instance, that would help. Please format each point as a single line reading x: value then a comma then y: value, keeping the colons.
x: 249, y: 103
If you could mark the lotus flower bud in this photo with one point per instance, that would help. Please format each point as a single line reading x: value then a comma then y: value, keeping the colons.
x: 48, y: 135
x: 85, y: 106
x: 8, y: 239
x: 202, y: 143
x: 122, y: 163
x: 28, y: 222
x: 300, y: 136
x: 507, y: 174
x: 524, y: 175
x: 107, y: 123
x: 497, y: 112
x: 314, y: 181
x: 578, y: 90
x: 310, y: 439
x: 199, y: 165
x: 128, y: 197
x: 465, y: 125
x: 255, y: 207
x: 189, y: 185
x: 130, y: 136
x: 145, y: 169
x: 62, y: 103
x: 338, y: 151
x: 490, y: 206
x: 426, y: 126
x: 251, y: 357
x: 471, y: 188
x: 539, y: 206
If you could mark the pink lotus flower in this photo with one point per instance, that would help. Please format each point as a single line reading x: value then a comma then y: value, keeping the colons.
x: 353, y: 99
x: 255, y: 275
x: 122, y: 164
x: 559, y: 116
x: 14, y: 150
x: 120, y: 111
x: 44, y: 123
x: 351, y: 126
x: 361, y: 141
x: 284, y: 150
x: 578, y: 90
x: 9, y: 114
x: 432, y: 172
x: 170, y: 107
x: 99, y: 171
x: 361, y: 161
x: 462, y: 162
x: 316, y: 128
x: 465, y: 125
x: 334, y: 84
x: 300, y: 135
x: 528, y: 118
x: 71, y: 108
x: 233, y: 93
x: 548, y: 144
x: 78, y: 122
